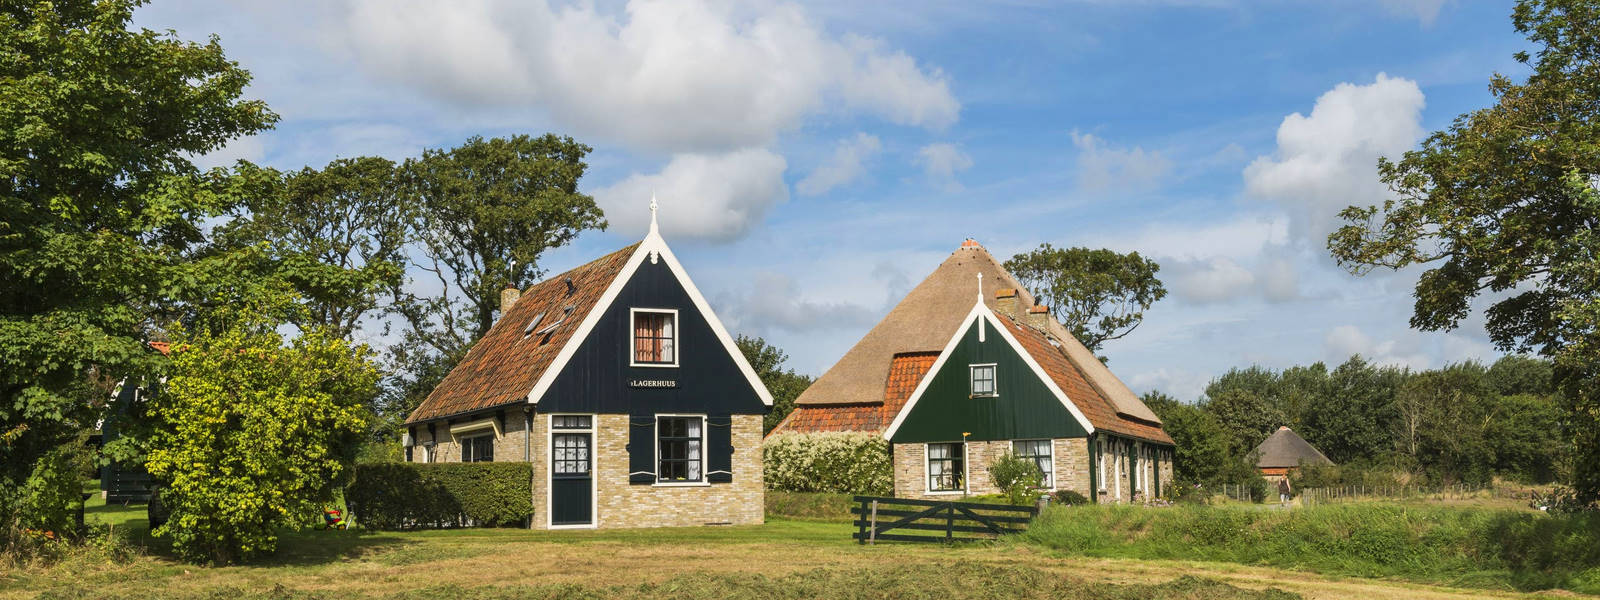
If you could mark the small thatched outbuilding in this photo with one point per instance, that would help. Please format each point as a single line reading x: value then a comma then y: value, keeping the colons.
x: 1285, y: 450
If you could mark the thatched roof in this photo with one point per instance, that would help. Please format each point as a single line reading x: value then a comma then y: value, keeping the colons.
x: 1285, y: 448
x: 928, y: 316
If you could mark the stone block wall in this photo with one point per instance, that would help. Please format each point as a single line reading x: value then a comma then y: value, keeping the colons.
x: 1071, y: 468
x: 508, y: 446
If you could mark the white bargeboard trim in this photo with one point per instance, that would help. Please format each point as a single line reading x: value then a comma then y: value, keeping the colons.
x: 981, y: 311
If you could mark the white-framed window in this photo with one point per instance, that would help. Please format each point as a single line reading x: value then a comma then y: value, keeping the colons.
x: 983, y: 385
x: 477, y: 448
x: 947, y: 467
x: 1043, y: 455
x: 655, y: 338
x: 427, y: 451
x: 680, y: 449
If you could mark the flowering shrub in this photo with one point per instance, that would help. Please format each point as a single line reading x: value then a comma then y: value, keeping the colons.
x: 835, y: 462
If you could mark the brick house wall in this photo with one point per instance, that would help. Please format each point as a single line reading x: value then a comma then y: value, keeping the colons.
x: 1071, y: 468
x: 508, y: 446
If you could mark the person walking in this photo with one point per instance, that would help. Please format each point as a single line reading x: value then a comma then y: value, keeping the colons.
x: 1284, y: 493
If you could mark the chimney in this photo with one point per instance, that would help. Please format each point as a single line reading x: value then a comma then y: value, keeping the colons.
x: 508, y: 297
x: 1005, y: 303
x: 1039, y: 316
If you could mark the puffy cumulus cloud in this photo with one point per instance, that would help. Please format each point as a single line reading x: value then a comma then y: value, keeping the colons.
x: 847, y: 164
x: 245, y: 148
x: 1212, y: 280
x: 941, y: 162
x: 1328, y: 160
x: 716, y: 197
x: 681, y: 75
x: 774, y: 302
x: 1101, y: 166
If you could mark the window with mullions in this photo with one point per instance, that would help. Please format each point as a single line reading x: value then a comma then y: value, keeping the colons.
x: 570, y: 453
x: 571, y: 422
x: 478, y: 448
x: 947, y: 467
x: 983, y: 381
x: 678, y: 457
x: 654, y: 338
x: 1037, y: 451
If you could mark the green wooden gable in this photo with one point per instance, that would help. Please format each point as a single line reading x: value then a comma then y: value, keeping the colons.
x: 1024, y: 407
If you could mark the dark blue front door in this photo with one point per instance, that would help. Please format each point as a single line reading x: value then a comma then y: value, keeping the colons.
x: 571, y: 479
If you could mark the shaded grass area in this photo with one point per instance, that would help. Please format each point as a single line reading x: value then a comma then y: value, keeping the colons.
x: 809, y: 505
x: 1495, y: 549
x: 957, y: 581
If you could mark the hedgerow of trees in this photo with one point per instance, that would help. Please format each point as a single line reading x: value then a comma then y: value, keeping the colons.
x: 1464, y: 423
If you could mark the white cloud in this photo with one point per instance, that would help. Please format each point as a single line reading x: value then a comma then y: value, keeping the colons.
x: 1344, y: 341
x: 245, y: 148
x: 1279, y: 280
x: 1186, y: 386
x: 1327, y: 161
x: 709, y: 196
x: 942, y: 162
x: 1240, y: 238
x: 847, y: 164
x: 1101, y: 166
x: 774, y: 302
x: 1213, y: 280
x: 672, y: 76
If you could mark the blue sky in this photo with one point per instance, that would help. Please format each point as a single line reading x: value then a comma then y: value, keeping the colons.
x: 815, y: 160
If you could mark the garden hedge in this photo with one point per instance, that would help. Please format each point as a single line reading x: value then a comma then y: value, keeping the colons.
x: 832, y: 462
x: 411, y: 496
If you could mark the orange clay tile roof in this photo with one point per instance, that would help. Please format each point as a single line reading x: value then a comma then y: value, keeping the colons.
x: 1095, y: 406
x: 905, y: 372
x: 501, y: 368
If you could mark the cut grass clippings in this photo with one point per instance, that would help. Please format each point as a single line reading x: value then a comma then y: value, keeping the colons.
x: 956, y: 581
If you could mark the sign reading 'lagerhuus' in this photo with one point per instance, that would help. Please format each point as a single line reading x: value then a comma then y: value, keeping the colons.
x: 652, y: 383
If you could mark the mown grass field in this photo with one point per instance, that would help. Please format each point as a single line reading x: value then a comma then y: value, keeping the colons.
x: 809, y: 556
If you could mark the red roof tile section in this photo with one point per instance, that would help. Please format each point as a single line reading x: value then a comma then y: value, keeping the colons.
x: 501, y: 368
x: 905, y: 372
x: 1095, y: 406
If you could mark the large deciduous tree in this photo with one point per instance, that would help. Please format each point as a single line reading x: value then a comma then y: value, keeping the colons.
x: 101, y: 211
x: 1100, y: 295
x: 339, y: 235
x: 488, y: 211
x: 1504, y: 201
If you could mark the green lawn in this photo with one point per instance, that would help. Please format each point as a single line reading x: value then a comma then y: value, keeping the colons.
x: 784, y: 558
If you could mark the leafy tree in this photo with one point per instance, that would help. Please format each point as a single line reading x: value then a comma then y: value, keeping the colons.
x: 1505, y: 201
x: 784, y: 384
x: 254, y: 433
x: 1525, y: 435
x: 101, y: 212
x: 1099, y: 295
x: 1355, y: 419
x: 339, y: 235
x: 1457, y: 407
x: 1201, y: 445
x: 1519, y: 374
x: 1246, y: 418
x: 488, y: 211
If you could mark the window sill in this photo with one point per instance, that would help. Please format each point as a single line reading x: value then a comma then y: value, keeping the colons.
x: 654, y: 365
x: 682, y: 484
x: 946, y: 493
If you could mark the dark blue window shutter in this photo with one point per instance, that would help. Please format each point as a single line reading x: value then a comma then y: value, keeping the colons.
x: 642, y: 449
x: 719, y: 448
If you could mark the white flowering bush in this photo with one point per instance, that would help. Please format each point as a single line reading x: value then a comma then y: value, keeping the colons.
x: 834, y: 462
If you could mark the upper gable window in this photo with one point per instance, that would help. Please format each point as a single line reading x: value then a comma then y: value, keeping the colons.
x: 983, y: 381
x: 655, y: 338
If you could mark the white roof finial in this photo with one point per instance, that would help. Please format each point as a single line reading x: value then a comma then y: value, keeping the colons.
x: 652, y: 211
x: 980, y: 287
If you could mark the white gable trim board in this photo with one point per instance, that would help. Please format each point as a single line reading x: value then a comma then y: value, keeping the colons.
x: 652, y: 248
x: 981, y: 311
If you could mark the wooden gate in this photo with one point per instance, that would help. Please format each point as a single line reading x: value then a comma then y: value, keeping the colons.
x: 935, y: 521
